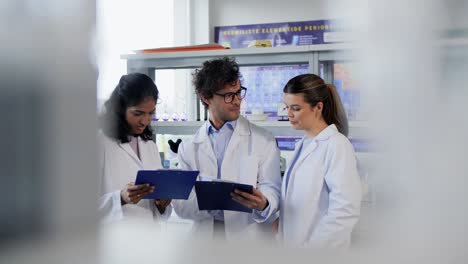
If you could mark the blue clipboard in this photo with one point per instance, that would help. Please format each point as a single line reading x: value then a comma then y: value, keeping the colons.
x: 216, y: 195
x: 169, y: 184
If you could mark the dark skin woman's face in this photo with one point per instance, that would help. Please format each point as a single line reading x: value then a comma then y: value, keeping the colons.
x: 138, y: 117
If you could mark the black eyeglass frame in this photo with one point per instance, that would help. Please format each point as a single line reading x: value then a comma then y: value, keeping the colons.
x: 229, y: 97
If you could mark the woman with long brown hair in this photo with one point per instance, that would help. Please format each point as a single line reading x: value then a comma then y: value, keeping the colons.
x: 321, y: 190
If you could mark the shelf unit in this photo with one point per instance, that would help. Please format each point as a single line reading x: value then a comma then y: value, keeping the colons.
x: 310, y: 54
x: 277, y: 128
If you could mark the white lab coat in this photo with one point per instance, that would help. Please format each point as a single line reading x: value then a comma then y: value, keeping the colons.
x: 322, y: 202
x: 118, y: 166
x: 251, y: 157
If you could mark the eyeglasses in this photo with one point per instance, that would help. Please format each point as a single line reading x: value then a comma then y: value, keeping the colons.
x: 229, y: 97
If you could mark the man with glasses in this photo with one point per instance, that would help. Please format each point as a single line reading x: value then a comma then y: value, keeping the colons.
x: 228, y: 147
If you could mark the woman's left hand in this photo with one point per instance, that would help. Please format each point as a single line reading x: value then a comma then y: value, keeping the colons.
x: 161, y: 204
x: 256, y: 200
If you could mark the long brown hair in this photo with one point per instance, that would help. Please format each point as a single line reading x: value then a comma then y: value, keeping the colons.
x: 315, y: 90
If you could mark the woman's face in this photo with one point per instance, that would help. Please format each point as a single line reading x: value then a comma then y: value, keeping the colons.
x: 301, y: 114
x: 139, y: 116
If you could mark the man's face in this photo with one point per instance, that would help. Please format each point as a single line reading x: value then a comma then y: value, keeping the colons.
x: 220, y: 111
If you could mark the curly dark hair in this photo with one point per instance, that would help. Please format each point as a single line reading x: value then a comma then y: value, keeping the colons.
x: 131, y: 90
x: 214, y: 75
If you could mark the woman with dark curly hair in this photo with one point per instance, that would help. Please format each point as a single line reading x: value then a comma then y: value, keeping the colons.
x: 127, y: 146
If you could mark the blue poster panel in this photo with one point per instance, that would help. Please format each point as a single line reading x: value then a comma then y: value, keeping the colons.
x: 281, y: 34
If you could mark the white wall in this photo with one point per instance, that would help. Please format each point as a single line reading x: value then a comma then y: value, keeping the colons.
x: 124, y: 26
x: 190, y: 28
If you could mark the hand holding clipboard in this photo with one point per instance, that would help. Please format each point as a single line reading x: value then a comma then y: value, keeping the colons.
x: 216, y: 195
x: 253, y: 200
x: 169, y: 184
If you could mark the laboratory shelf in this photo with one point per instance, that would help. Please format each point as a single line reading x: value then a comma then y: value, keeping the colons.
x: 142, y: 62
x: 312, y: 55
x: 277, y: 128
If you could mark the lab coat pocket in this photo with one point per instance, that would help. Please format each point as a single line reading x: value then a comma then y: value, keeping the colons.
x: 248, y: 170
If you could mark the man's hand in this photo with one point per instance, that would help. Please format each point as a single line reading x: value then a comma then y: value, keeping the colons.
x: 256, y: 200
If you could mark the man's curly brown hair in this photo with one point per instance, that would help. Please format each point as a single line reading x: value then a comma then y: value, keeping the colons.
x: 214, y: 75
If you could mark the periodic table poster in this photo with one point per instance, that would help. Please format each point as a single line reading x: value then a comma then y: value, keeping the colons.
x: 265, y: 85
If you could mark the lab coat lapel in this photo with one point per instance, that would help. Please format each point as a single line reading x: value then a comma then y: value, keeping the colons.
x: 306, y: 152
x: 322, y: 136
x: 146, y: 156
x: 204, y: 147
x: 126, y: 147
x: 241, y: 131
x: 302, y: 156
x: 296, y: 150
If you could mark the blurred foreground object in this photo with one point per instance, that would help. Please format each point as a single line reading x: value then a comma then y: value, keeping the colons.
x: 48, y: 155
